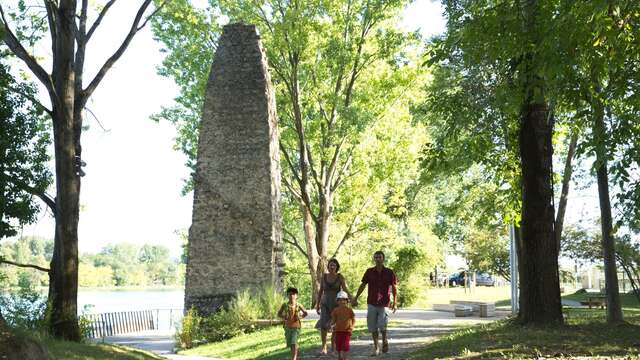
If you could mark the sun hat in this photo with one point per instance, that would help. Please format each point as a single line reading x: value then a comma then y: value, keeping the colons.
x: 342, y: 295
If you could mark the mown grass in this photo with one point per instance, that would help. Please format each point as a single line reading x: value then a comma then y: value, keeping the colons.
x: 266, y: 344
x: 585, y: 333
x: 80, y: 351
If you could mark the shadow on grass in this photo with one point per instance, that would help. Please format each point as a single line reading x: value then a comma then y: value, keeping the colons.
x: 72, y: 351
x: 264, y: 344
x: 584, y: 334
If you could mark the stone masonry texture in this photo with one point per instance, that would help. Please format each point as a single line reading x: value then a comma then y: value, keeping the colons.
x: 235, y: 236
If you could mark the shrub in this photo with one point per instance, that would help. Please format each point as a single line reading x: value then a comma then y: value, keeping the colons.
x: 238, y: 317
x: 408, y: 265
x: 188, y: 332
x: 25, y: 309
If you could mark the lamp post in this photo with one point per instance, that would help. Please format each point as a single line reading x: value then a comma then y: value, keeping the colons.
x: 513, y: 265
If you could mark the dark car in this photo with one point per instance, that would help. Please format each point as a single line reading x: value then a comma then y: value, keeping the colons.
x: 457, y: 278
x: 482, y: 279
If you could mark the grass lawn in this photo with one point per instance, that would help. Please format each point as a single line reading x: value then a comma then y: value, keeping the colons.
x: 584, y: 334
x: 266, y: 344
x: 72, y: 351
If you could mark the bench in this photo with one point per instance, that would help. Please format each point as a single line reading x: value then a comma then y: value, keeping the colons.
x: 595, y: 301
x: 482, y: 308
x: 463, y: 311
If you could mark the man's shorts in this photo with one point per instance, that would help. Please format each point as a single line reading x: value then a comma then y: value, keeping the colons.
x: 291, y: 336
x: 342, y: 340
x: 377, y: 318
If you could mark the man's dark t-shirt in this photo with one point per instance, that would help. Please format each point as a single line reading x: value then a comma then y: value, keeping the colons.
x: 379, y: 285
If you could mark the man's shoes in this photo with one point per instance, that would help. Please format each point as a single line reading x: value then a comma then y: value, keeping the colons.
x: 375, y: 352
x: 385, y: 347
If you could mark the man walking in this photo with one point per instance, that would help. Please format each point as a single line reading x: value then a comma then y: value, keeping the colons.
x: 380, y: 280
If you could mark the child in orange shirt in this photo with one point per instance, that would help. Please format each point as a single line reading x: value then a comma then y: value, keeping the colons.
x: 292, y: 313
x: 343, y: 320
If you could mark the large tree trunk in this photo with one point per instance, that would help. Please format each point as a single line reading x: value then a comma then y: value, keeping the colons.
x: 64, y: 265
x: 540, y: 284
x: 614, y: 309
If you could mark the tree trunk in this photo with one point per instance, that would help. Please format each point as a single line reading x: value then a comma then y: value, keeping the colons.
x: 614, y: 309
x: 540, y: 284
x: 566, y: 182
x: 64, y: 266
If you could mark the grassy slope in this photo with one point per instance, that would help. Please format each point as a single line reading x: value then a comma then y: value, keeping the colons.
x: 267, y: 344
x: 72, y: 351
x: 584, y: 334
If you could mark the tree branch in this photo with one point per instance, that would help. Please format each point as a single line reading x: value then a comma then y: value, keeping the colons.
x: 350, y: 230
x: 295, y: 241
x: 17, y: 49
x: 3, y: 261
x: 31, y: 98
x: 109, y: 63
x: 33, y: 191
x: 95, y: 25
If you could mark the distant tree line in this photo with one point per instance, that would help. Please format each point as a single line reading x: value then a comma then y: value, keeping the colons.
x: 122, y: 264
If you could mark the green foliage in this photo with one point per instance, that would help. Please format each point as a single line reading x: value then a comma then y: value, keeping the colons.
x: 24, y: 139
x: 26, y: 250
x: 410, y: 267
x: 24, y: 309
x: 187, y: 334
x: 237, y: 317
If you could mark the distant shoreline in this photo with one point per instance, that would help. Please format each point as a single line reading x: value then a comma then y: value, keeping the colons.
x: 112, y: 288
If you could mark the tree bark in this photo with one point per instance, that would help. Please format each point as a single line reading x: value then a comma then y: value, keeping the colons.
x: 614, y: 309
x: 566, y: 182
x: 64, y: 265
x: 539, y: 275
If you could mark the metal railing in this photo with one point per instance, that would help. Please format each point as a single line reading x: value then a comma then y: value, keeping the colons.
x: 123, y: 322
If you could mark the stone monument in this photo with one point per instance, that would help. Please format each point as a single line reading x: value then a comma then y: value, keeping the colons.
x: 235, y: 236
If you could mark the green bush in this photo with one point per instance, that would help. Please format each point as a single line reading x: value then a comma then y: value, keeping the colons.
x: 238, y: 317
x: 410, y: 260
x: 25, y: 309
x: 188, y: 332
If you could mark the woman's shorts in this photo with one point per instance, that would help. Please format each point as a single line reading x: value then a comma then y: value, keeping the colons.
x: 342, y: 340
x: 377, y: 318
x: 291, y: 336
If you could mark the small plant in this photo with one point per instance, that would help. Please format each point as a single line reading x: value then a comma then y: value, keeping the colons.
x: 25, y: 309
x: 188, y: 332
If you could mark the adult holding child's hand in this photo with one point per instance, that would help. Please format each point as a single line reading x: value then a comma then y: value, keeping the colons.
x: 332, y: 282
x: 382, y: 284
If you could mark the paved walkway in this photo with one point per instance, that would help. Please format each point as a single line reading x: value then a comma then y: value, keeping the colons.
x: 417, y: 328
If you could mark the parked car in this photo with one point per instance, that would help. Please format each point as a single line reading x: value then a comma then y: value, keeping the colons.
x: 484, y: 279
x: 456, y: 278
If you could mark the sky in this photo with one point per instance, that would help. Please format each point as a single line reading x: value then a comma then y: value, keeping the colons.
x: 131, y: 191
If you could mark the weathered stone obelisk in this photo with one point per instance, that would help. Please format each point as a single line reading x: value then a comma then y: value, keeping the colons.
x: 235, y: 235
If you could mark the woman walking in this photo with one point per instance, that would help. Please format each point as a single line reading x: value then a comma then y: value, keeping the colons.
x: 332, y: 282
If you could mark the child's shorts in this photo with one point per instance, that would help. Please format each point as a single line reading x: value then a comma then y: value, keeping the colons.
x: 342, y: 340
x: 291, y: 336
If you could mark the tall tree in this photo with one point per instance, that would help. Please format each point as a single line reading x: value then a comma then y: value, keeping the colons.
x: 540, y: 283
x: 69, y: 30
x: 506, y: 58
x: 336, y: 77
